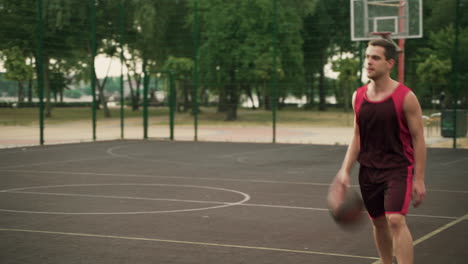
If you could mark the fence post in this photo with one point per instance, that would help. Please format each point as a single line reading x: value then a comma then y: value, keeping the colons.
x: 195, y: 71
x: 40, y: 69
x: 274, y: 99
x: 121, y: 40
x: 145, y: 98
x: 172, y: 103
x: 455, y: 69
x: 92, y: 4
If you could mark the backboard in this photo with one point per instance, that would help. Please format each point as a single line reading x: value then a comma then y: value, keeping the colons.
x: 401, y: 18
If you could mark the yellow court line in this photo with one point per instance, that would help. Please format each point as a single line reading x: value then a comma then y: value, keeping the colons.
x: 438, y: 230
x: 188, y: 243
x: 435, y: 232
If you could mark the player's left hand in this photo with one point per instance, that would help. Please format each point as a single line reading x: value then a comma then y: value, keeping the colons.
x: 419, y: 192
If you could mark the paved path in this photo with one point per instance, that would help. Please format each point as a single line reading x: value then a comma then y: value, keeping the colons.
x: 14, y: 136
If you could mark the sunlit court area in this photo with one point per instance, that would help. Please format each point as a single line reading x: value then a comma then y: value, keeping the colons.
x: 207, y: 131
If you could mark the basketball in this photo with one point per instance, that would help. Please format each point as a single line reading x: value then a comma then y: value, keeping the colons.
x: 345, y: 205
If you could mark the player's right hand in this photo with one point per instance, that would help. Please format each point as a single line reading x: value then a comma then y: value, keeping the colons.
x: 343, y: 178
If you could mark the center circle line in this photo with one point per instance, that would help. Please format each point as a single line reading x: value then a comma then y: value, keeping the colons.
x: 246, y: 198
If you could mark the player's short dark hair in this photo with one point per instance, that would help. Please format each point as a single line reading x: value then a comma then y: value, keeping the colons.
x: 391, y: 51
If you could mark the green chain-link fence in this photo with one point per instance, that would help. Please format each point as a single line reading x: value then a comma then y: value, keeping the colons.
x: 264, y: 70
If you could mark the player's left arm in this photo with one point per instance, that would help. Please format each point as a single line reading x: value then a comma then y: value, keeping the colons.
x: 413, y: 114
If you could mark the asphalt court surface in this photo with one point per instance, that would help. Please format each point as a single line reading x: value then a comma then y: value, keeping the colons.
x: 205, y: 202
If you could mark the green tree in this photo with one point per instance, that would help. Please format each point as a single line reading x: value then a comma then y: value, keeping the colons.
x: 348, y: 69
x: 183, y: 72
x: 440, y: 51
x: 17, y: 69
x: 326, y: 33
x: 433, y: 74
x: 237, y: 41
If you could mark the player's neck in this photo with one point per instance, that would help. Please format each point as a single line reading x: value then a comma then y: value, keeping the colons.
x: 383, y: 85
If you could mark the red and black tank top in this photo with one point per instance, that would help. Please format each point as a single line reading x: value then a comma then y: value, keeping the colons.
x: 384, y: 134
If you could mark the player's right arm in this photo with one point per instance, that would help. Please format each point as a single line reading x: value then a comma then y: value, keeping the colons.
x: 352, y: 153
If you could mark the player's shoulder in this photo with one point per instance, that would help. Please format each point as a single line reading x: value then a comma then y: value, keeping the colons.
x: 410, y: 101
x: 358, y: 96
x: 403, y: 89
x: 360, y: 90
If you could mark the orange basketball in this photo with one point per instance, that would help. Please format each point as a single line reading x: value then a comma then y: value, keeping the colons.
x: 345, y: 205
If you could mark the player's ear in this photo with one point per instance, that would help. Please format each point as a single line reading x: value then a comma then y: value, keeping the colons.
x: 391, y: 63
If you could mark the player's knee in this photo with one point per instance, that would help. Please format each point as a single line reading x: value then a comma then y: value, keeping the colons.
x: 396, y: 221
x: 380, y: 222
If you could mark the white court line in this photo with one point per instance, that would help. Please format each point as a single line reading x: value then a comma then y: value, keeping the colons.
x: 166, y: 199
x: 118, y: 197
x: 198, y: 201
x: 137, y: 156
x: 111, y: 152
x: 166, y: 177
x: 198, y: 178
x: 454, y: 161
x: 246, y: 198
x: 260, y: 150
x: 435, y: 232
x: 194, y: 243
x: 56, y: 162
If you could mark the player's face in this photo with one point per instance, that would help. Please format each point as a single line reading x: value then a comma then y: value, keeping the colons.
x: 377, y: 65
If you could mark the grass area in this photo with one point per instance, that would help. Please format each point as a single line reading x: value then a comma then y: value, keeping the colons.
x: 330, y: 118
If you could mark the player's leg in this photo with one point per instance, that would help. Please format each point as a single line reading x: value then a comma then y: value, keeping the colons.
x: 397, y: 200
x: 373, y: 195
x: 383, y: 239
x: 402, y: 239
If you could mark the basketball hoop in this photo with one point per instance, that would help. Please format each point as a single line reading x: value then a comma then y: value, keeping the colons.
x: 401, y: 17
x: 386, y: 18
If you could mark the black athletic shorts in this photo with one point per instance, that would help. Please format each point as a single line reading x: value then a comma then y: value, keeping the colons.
x: 386, y: 191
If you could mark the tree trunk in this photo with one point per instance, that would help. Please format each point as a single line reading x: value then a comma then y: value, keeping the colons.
x: 261, y: 102
x: 248, y: 91
x: 130, y: 85
x: 266, y: 99
x: 136, y: 93
x: 186, y: 94
x: 20, y: 92
x: 231, y: 114
x: 223, y: 101
x: 281, y: 102
x: 30, y: 90
x: 48, y: 108
x: 233, y: 99
x: 178, y: 96
x: 310, y: 91
x: 102, y: 97
x: 322, y: 91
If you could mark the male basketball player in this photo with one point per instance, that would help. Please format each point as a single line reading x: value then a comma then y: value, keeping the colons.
x: 388, y: 143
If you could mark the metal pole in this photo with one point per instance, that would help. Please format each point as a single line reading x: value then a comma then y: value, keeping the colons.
x: 145, y: 99
x: 122, y: 101
x: 195, y: 71
x: 172, y: 98
x: 40, y: 69
x: 93, y: 55
x: 455, y: 69
x: 401, y: 44
x: 274, y: 85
